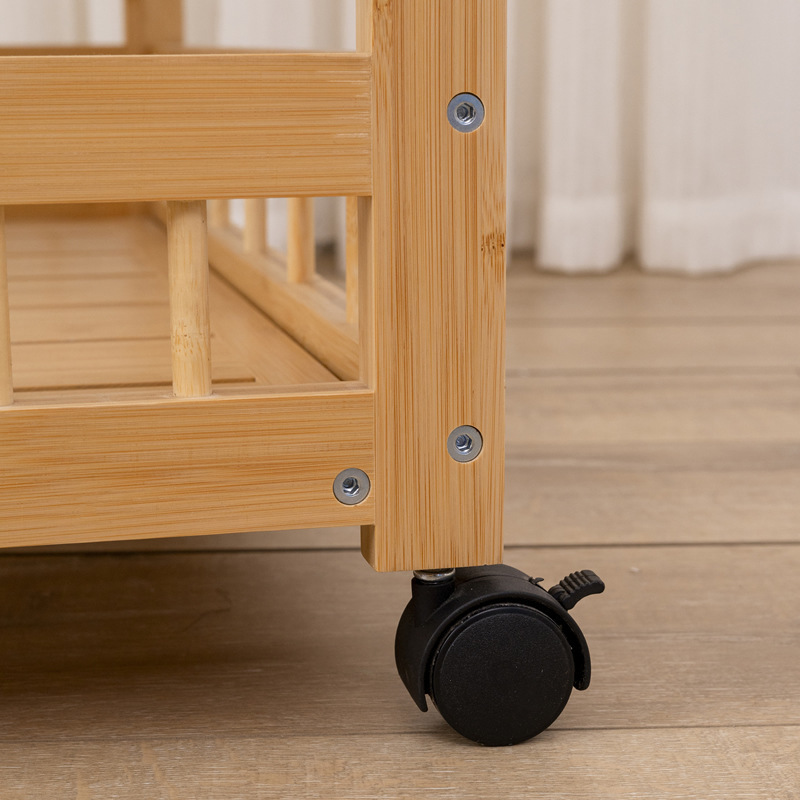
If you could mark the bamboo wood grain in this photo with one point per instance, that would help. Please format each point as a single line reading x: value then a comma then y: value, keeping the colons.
x: 255, y: 225
x: 436, y: 282
x: 6, y: 379
x: 300, y: 259
x: 219, y: 213
x: 49, y: 230
x: 313, y: 314
x: 120, y: 290
x: 351, y: 259
x: 131, y: 362
x: 43, y: 266
x: 181, y: 467
x: 187, y: 248
x: 106, y: 128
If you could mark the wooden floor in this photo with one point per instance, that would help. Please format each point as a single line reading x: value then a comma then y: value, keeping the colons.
x: 653, y: 436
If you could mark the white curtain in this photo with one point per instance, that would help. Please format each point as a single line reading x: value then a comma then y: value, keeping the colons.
x: 666, y: 129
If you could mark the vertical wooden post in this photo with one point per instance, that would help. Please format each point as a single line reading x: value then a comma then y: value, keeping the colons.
x: 6, y: 380
x: 218, y: 213
x: 300, y: 257
x: 255, y: 225
x: 432, y: 269
x: 153, y: 26
x: 351, y: 259
x: 187, y: 248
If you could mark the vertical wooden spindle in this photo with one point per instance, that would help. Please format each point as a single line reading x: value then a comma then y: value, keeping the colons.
x: 255, y: 225
x: 187, y: 246
x: 300, y: 256
x: 219, y: 213
x: 351, y: 258
x: 6, y: 383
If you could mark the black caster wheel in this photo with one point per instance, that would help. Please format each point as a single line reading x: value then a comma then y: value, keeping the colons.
x: 497, y: 654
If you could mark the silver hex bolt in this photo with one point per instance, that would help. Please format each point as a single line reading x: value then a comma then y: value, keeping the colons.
x: 464, y: 443
x: 351, y: 486
x: 465, y: 112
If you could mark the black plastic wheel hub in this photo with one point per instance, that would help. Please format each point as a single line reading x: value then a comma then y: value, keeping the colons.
x: 502, y: 674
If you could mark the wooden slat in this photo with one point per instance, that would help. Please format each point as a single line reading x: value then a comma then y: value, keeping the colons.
x: 300, y: 259
x: 133, y: 290
x: 187, y: 249
x: 436, y: 280
x: 49, y: 230
x: 133, y: 362
x: 39, y: 266
x: 95, y: 323
x: 181, y: 467
x: 100, y: 129
x: 313, y: 314
x: 6, y: 381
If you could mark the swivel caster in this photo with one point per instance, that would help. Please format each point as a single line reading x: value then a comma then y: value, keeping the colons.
x: 496, y: 653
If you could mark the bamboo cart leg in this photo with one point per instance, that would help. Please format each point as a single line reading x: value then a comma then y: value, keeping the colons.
x: 435, y: 281
x: 498, y: 654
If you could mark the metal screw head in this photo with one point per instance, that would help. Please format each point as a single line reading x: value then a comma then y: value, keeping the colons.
x: 465, y: 112
x: 351, y: 486
x: 464, y: 443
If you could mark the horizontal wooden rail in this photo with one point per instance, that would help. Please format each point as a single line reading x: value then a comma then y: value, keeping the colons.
x: 131, y: 128
x: 176, y: 467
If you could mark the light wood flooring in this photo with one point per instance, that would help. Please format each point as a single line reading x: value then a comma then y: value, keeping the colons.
x: 653, y: 436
